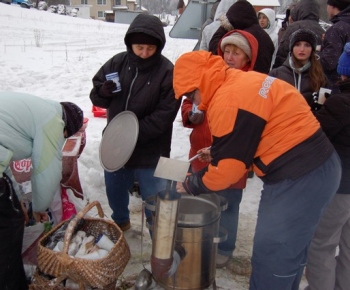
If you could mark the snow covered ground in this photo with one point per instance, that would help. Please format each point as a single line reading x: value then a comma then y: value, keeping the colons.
x: 55, y: 57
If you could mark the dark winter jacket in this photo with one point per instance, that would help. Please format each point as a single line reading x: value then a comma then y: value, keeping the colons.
x: 241, y: 15
x: 334, y: 41
x: 146, y: 90
x: 301, y: 81
x: 305, y: 14
x: 334, y: 117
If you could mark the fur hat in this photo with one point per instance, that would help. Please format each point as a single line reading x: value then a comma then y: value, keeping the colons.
x: 344, y: 61
x: 340, y: 4
x: 238, y: 40
x: 142, y: 38
x: 303, y: 34
x: 73, y: 117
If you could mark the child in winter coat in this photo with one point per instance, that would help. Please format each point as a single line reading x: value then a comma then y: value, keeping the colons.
x: 325, y: 269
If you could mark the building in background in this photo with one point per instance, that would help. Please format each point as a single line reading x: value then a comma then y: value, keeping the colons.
x: 109, y: 10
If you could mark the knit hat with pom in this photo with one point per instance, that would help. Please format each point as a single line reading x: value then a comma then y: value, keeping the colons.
x: 344, y: 61
x: 73, y: 117
x: 303, y: 35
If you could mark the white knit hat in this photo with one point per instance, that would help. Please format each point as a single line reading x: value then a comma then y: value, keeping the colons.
x: 238, y: 40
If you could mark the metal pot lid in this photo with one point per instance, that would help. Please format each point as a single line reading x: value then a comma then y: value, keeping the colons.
x: 119, y: 141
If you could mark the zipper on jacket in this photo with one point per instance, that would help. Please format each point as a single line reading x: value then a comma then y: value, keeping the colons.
x: 132, y: 84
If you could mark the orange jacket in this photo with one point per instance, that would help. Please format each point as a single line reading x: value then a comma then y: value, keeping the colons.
x: 200, y: 136
x: 250, y: 115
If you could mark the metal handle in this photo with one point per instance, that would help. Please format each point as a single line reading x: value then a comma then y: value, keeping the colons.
x: 223, y: 203
x: 197, y: 155
x: 222, y: 236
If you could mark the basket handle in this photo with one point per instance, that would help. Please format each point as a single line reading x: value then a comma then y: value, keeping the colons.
x: 73, y: 223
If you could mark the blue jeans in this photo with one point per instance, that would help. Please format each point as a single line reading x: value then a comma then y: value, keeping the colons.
x: 229, y: 219
x: 288, y: 214
x: 118, y: 184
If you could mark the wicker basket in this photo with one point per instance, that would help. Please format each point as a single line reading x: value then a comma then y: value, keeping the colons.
x: 95, y: 273
x: 42, y: 282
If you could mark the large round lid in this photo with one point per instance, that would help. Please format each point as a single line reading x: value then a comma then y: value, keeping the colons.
x: 118, y: 141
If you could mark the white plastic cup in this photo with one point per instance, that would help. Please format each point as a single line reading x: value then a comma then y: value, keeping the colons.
x: 105, y: 243
x: 322, y: 96
x: 115, y: 78
x: 58, y: 247
x: 91, y: 256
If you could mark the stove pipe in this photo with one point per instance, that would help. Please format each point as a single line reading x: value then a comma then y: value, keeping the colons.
x: 163, y: 262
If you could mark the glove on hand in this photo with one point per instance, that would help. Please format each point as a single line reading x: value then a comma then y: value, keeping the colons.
x: 194, y: 185
x: 107, y: 88
x: 3, y: 184
x: 196, y: 118
x: 315, y: 105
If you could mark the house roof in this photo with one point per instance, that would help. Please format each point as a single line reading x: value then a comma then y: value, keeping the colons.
x: 120, y: 7
x: 274, y: 3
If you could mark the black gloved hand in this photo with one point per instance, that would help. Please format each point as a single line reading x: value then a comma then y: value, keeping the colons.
x: 107, y: 88
x: 196, y: 118
x: 194, y: 185
x: 3, y: 184
x: 316, y: 106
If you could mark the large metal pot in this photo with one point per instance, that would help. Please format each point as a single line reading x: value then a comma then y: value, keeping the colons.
x: 198, y: 234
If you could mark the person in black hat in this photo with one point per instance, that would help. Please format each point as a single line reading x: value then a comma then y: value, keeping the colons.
x: 143, y: 85
x: 327, y: 268
x: 302, y: 68
x: 30, y: 127
x: 334, y: 39
x: 305, y: 14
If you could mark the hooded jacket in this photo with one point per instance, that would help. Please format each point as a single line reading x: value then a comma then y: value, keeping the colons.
x: 305, y: 14
x: 335, y: 122
x: 332, y: 46
x: 200, y: 136
x: 300, y: 79
x: 252, y: 118
x: 146, y: 90
x: 31, y: 127
x: 241, y: 15
x: 271, y: 29
x: 211, y: 28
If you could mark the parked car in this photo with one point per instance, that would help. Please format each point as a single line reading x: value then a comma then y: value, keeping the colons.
x: 42, y: 6
x: 23, y: 3
x: 53, y: 9
x: 6, y: 1
x: 74, y: 12
x: 62, y: 9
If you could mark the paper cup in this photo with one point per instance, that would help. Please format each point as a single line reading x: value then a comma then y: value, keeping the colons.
x: 105, y: 243
x: 321, y: 95
x: 115, y: 78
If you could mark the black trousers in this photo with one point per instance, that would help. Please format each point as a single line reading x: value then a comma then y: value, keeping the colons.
x: 12, y: 276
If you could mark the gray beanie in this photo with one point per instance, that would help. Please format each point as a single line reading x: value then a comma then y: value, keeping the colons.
x: 238, y: 40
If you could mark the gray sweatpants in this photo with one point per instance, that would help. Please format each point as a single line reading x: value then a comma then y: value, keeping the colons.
x: 325, y: 270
